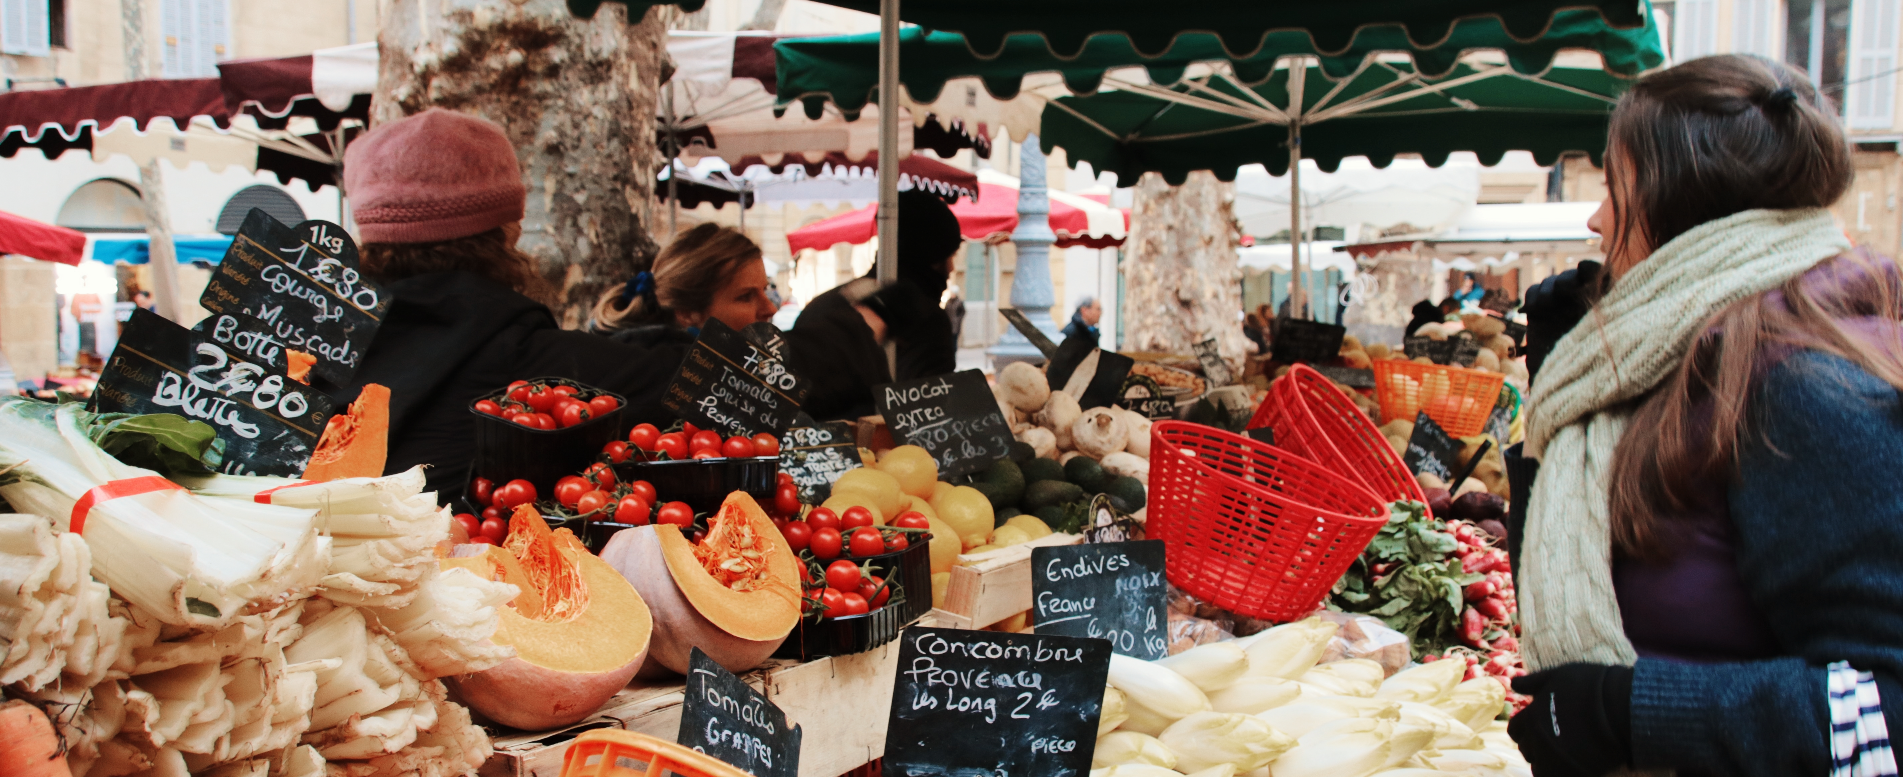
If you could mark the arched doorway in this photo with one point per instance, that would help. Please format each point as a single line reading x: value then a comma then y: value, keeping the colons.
x: 103, y: 205
x: 265, y: 197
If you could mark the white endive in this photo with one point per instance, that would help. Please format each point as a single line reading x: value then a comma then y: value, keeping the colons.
x: 1291, y: 650
x: 1114, y: 712
x: 1123, y: 747
x: 1206, y: 739
x: 1475, y: 702
x: 1167, y: 693
x: 1354, y: 748
x: 1454, y: 735
x: 1251, y: 695
x: 1425, y: 683
x: 1211, y: 667
x: 1142, y: 719
x: 1134, y: 770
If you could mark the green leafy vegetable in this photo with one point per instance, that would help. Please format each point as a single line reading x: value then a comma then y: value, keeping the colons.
x: 1409, y: 578
x: 171, y: 445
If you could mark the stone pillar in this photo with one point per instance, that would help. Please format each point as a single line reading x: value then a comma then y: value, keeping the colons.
x: 1031, y: 289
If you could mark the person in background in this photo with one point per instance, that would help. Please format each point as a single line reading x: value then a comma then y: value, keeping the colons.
x: 143, y: 299
x: 708, y: 272
x: 955, y: 310
x: 439, y: 200
x: 1254, y: 328
x: 1709, y: 579
x: 1083, y: 322
x: 837, y: 343
x: 1425, y: 313
x: 1470, y: 292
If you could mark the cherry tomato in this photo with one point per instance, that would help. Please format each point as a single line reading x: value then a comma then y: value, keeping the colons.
x: 495, y: 530
x: 689, y: 429
x: 601, y: 474
x: 737, y: 448
x: 471, y: 524
x: 855, y: 517
x: 515, y: 385
x: 540, y: 399
x: 786, y: 499
x: 798, y: 535
x: 491, y: 512
x: 897, y: 543
x: 912, y: 519
x: 783, y: 478
x: 509, y: 412
x: 707, y: 453
x: 481, y: 540
x: 564, y: 389
x: 617, y: 451
x: 854, y: 603
x: 823, y: 518
x: 568, y: 490
x: 843, y: 575
x: 519, y: 391
x: 593, y: 501
x: 875, y: 591
x: 766, y: 445
x: 572, y: 413
x: 643, y: 436
x: 603, y: 405
x: 832, y: 602
x: 525, y: 419
x: 545, y: 422
x: 515, y: 492
x: 488, y: 407
x: 867, y: 542
x: 825, y: 543
x: 484, y: 490
x: 645, y: 490
x: 674, y: 444
x: 632, y: 510
x: 676, y: 513
x: 704, y: 440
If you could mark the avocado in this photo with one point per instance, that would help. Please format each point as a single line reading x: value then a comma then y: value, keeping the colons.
x: 1003, y: 484
x: 1042, y: 469
x: 1051, y: 492
x: 1005, y: 514
x: 1051, y: 515
x: 1086, y: 473
x: 1127, y: 494
x: 1021, y: 451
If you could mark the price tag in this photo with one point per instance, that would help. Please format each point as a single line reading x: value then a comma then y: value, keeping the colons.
x: 298, y: 288
x: 1215, y: 370
x: 1299, y: 340
x: 993, y: 704
x: 1142, y: 395
x: 815, y: 456
x: 1429, y: 449
x: 735, y: 385
x: 1346, y: 376
x: 1457, y: 351
x: 1517, y: 332
x: 1092, y: 375
x: 270, y: 423
x: 1113, y: 591
x: 729, y: 720
x: 954, y: 416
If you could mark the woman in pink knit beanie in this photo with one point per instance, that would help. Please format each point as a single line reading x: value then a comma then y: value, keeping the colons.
x: 439, y: 200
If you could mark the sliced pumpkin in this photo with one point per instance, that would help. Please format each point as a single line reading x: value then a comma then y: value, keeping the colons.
x: 356, y: 444
x: 297, y: 365
x: 742, y: 576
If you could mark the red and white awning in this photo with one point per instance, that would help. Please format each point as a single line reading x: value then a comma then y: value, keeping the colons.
x: 1078, y: 220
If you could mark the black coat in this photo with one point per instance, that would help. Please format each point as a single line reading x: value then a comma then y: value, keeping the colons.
x: 832, y: 348
x: 453, y: 337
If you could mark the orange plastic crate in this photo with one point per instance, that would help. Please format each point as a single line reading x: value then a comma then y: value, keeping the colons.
x: 1457, y: 398
x: 1312, y: 417
x: 613, y: 752
x: 1250, y: 527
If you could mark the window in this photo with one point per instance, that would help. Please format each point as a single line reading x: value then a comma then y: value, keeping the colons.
x: 1870, y: 94
x: 23, y: 28
x: 1817, y: 41
x: 1694, y: 29
x: 195, y: 37
x: 1754, y: 27
x: 56, y: 23
x: 269, y: 199
x: 103, y: 205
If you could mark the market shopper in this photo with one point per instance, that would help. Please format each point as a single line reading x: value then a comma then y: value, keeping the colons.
x: 708, y: 272
x: 438, y: 199
x: 1709, y: 579
x: 838, y: 341
x: 1083, y: 323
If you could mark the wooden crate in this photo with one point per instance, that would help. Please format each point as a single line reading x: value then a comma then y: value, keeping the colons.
x: 840, y: 702
x: 994, y: 586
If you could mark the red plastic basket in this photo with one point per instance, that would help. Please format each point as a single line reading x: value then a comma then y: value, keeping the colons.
x: 1250, y: 527
x: 1313, y: 418
x: 1457, y: 398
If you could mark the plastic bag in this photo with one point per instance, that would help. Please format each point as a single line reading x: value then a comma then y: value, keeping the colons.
x: 1196, y: 622
x: 1365, y: 636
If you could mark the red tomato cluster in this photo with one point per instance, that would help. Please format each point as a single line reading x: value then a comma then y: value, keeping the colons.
x: 850, y: 590
x: 690, y: 442
x: 594, y: 495
x: 546, y: 407
x: 825, y: 535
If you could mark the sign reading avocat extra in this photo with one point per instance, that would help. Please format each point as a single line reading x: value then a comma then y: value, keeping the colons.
x: 955, y: 417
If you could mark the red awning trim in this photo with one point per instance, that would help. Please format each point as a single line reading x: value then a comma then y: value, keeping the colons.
x: 69, y: 111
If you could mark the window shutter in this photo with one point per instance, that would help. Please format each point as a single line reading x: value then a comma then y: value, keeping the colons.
x: 1872, y: 77
x: 1754, y: 27
x: 23, y: 28
x: 172, y: 24
x: 216, y: 42
x: 1694, y: 29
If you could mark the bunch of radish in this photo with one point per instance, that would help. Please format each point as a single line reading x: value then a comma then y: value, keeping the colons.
x: 1490, y: 623
x: 1500, y: 664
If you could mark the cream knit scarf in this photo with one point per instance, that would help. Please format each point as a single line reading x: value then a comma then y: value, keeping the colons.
x: 1639, y: 333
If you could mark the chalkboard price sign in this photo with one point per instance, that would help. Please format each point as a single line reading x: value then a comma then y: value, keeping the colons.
x: 1346, y: 376
x: 1429, y: 449
x: 954, y: 416
x: 1113, y: 591
x: 1215, y: 370
x: 815, y: 456
x: 1458, y: 351
x: 295, y: 288
x: 270, y: 424
x: 729, y: 720
x: 972, y: 703
x: 1142, y: 395
x: 1298, y: 340
x: 733, y: 385
x: 1517, y: 332
x: 1091, y: 374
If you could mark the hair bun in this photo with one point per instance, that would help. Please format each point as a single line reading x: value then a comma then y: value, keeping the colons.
x: 1780, y: 98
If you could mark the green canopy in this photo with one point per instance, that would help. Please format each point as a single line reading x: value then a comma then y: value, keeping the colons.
x: 844, y: 69
x: 1242, y: 25
x: 1213, y: 122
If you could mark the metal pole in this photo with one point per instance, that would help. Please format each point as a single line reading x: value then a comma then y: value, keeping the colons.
x: 888, y: 141
x: 163, y: 259
x: 673, y: 156
x: 1298, y: 75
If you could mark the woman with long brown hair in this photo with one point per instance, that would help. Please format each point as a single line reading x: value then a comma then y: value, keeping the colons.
x: 708, y: 272
x: 1710, y: 577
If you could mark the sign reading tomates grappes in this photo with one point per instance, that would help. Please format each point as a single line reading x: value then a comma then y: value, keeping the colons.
x: 733, y: 385
x: 1109, y: 590
x: 270, y: 424
x: 970, y: 703
x: 955, y: 417
x: 293, y: 288
x: 729, y: 720
x: 815, y: 456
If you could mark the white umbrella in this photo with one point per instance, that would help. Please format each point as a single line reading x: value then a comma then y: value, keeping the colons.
x: 1359, y: 194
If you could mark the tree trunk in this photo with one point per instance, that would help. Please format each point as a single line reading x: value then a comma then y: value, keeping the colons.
x: 577, y: 97
x: 1182, y: 283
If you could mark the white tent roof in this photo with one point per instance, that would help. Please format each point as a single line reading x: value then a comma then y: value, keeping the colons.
x: 1316, y: 255
x: 1405, y: 192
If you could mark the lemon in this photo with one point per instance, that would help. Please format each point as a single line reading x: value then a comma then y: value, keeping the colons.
x: 913, y: 467
x: 881, y: 488
x: 941, y: 582
x: 1009, y: 535
x: 969, y: 513
x: 840, y: 500
x: 1012, y: 624
x: 1031, y: 526
x: 939, y: 490
x: 981, y: 550
x: 945, y: 546
x: 913, y: 503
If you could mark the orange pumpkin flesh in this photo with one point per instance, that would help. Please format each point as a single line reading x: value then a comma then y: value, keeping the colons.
x: 579, y: 629
x: 356, y: 444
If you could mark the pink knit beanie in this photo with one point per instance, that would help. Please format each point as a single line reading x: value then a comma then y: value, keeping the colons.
x: 435, y: 176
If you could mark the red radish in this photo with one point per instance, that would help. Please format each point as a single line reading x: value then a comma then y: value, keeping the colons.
x: 1480, y: 590
x: 1472, y: 626
x: 1507, y: 642
x: 1493, y: 608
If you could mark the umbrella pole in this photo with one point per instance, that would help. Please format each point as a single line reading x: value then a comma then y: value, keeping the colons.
x: 673, y: 157
x: 1298, y: 77
x: 888, y: 218
x: 162, y: 262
